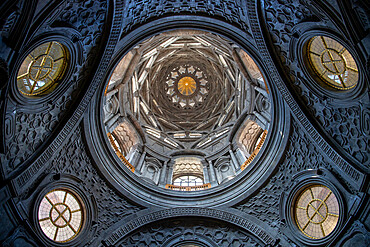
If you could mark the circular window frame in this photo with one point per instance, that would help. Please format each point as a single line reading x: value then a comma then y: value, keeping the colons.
x: 310, y: 178
x: 46, y: 58
x: 317, y: 84
x: 324, y: 205
x: 67, y: 220
x: 62, y: 83
x: 86, y: 208
x: 121, y: 178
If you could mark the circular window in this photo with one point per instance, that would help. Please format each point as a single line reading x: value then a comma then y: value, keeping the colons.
x: 333, y: 63
x: 186, y: 85
x: 316, y: 211
x: 42, y: 68
x: 60, y: 215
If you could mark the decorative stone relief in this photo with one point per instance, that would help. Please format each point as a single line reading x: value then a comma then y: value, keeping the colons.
x: 213, y: 232
x: 29, y: 130
x: 126, y: 137
x: 283, y: 19
x: 73, y: 160
x: 344, y: 125
x: 249, y: 136
x: 87, y: 17
x: 10, y: 23
x: 130, y: 227
x: 195, y: 169
x: 139, y: 11
x: 301, y: 155
x: 360, y: 9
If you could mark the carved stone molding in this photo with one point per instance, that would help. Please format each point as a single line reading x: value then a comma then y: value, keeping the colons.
x: 350, y: 172
x: 140, y: 11
x: 134, y: 224
x: 185, y: 231
x: 21, y: 181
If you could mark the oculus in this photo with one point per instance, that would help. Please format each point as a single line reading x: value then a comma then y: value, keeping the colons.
x: 316, y: 211
x: 187, y: 86
x: 42, y: 68
x: 60, y: 215
x: 333, y: 63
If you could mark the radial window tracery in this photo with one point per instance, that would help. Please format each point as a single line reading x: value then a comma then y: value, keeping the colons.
x: 42, y: 68
x: 60, y: 215
x: 316, y: 211
x: 333, y: 63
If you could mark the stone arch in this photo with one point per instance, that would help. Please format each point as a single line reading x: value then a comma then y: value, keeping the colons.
x: 256, y: 232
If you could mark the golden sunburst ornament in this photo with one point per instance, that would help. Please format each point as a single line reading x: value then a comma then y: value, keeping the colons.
x: 186, y: 85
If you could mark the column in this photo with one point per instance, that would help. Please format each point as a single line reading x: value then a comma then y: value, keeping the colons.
x: 234, y: 162
x: 162, y: 179
x: 140, y: 164
x: 170, y: 173
x: 205, y: 173
x: 212, y: 173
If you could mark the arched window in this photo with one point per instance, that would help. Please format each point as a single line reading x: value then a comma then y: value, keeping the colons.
x: 188, y: 180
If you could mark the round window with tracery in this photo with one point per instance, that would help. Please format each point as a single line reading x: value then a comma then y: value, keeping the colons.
x: 316, y: 211
x: 333, y: 63
x: 42, y: 68
x: 60, y: 215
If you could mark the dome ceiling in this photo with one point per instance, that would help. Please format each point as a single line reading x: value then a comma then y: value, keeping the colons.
x: 181, y: 93
x: 115, y: 134
x: 184, y: 84
x: 183, y: 81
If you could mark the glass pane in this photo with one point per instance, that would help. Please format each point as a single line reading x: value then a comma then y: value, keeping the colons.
x: 42, y: 68
x: 188, y: 181
x: 333, y: 63
x: 316, y: 211
x: 60, y: 215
